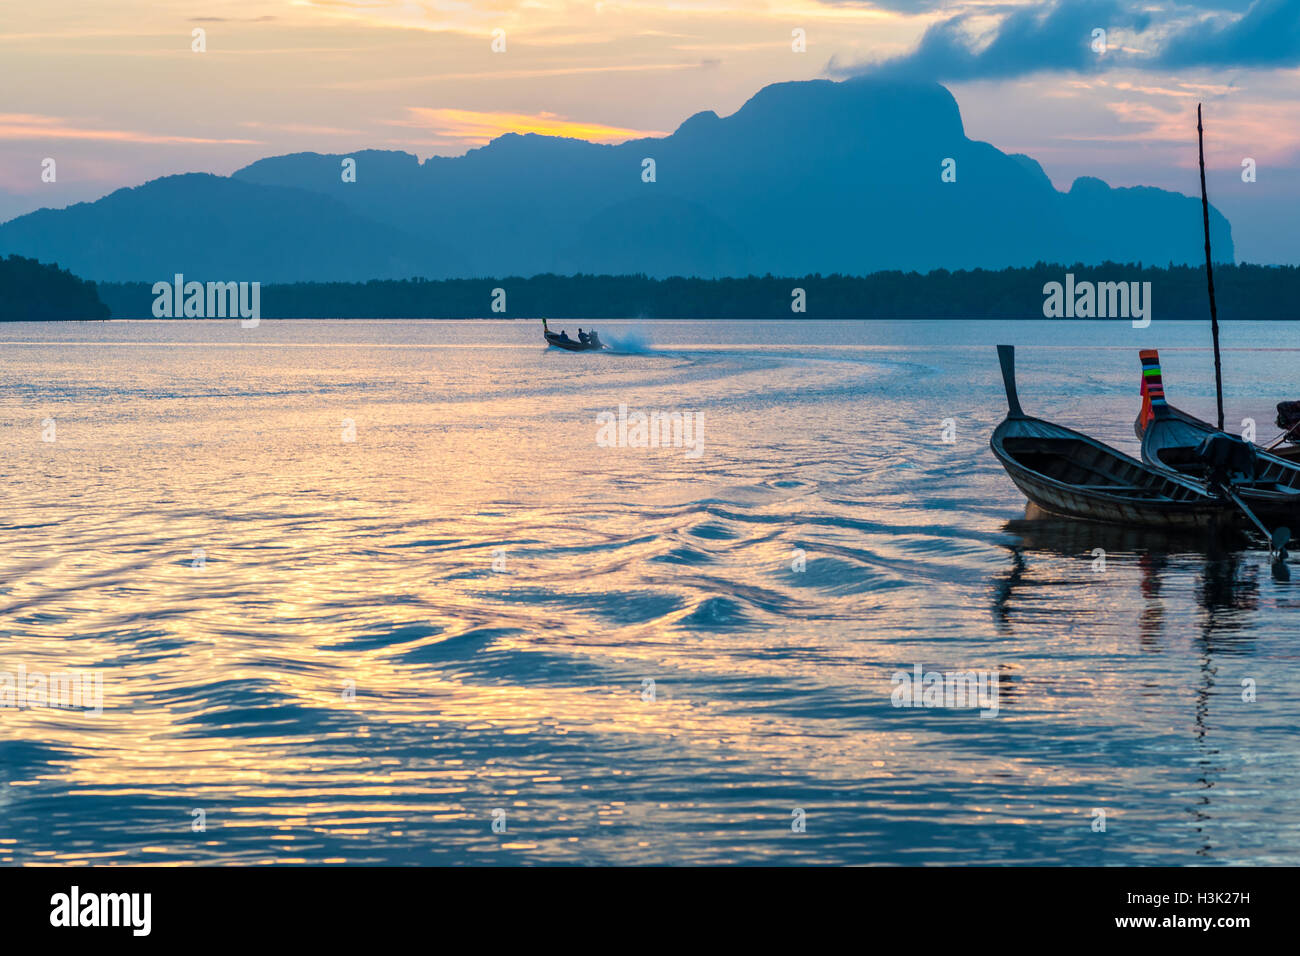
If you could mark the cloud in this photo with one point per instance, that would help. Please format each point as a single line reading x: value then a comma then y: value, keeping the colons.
x: 1267, y: 35
x: 1059, y: 38
x: 32, y: 126
x: 306, y: 129
x: 474, y: 128
x: 899, y: 6
x: 1266, y: 131
x: 401, y: 82
x: 1027, y: 40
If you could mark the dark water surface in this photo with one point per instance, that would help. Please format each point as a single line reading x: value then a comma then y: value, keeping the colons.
x: 347, y: 678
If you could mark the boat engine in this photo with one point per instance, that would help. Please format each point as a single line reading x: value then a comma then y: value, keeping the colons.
x: 1228, y: 460
x: 1288, y: 418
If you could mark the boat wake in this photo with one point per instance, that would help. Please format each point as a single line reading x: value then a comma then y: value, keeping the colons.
x: 631, y: 342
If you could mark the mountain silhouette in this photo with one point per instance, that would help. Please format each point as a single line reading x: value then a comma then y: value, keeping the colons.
x: 807, y: 177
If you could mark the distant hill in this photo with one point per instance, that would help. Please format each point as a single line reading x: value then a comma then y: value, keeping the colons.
x: 815, y: 176
x: 33, y: 292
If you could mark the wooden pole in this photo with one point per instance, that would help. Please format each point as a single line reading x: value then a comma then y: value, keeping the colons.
x: 1209, y: 269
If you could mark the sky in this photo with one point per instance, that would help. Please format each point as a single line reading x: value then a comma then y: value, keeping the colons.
x: 117, y: 95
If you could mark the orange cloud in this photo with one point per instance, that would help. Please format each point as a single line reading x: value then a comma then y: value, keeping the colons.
x: 397, y: 83
x: 1265, y: 131
x: 31, y: 126
x: 478, y: 128
x: 306, y: 129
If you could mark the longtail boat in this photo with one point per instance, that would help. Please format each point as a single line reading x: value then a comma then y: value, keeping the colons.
x: 1067, y: 473
x: 1287, y: 452
x: 1174, y: 441
x: 561, y: 340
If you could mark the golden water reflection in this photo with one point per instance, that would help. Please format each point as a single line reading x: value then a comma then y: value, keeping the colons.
x: 345, y: 678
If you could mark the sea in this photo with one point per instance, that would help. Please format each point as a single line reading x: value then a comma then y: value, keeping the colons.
x: 426, y: 593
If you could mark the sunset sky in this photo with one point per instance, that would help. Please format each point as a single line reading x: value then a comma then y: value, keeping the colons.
x: 114, y: 92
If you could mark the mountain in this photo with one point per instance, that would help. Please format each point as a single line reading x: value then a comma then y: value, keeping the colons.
x: 807, y: 177
x: 213, y: 226
x: 13, y: 204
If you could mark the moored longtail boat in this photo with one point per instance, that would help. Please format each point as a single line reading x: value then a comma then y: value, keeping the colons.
x: 1067, y: 473
x: 1173, y: 440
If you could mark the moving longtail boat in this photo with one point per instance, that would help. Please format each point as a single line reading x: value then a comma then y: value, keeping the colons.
x: 562, y: 341
x: 1067, y: 473
x: 1180, y: 443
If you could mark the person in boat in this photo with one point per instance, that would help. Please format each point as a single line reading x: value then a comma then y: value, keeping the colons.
x: 593, y: 339
x: 582, y: 336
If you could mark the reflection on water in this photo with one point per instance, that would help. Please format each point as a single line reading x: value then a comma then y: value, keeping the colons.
x: 353, y: 643
x: 1226, y: 588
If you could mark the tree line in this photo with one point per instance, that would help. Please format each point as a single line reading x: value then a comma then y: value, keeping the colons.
x: 32, y: 291
x: 1177, y: 292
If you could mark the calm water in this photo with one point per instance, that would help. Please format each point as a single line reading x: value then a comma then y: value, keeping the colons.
x: 345, y: 677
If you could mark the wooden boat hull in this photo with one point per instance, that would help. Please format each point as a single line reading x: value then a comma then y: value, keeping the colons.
x: 1067, y: 473
x: 570, y: 345
x: 1138, y: 496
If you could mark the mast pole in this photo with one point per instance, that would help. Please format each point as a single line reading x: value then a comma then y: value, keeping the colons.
x: 1209, y: 269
